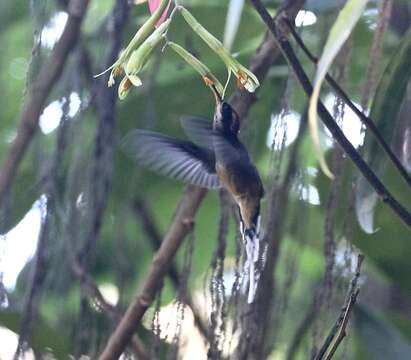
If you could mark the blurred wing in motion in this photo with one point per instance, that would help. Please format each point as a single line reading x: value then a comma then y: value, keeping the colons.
x: 199, y: 131
x: 179, y: 159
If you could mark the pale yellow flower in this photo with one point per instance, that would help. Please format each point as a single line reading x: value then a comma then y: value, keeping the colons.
x: 141, y: 35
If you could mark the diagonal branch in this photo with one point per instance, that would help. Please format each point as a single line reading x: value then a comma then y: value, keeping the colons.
x: 145, y: 216
x: 182, y: 224
x: 328, y: 120
x: 40, y: 90
x: 366, y: 120
x: 189, y: 203
x: 338, y: 331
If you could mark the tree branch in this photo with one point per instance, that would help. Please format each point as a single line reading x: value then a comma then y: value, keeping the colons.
x: 241, y: 102
x: 37, y: 95
x: 142, y: 210
x: 366, y: 120
x: 338, y: 332
x: 328, y: 120
x: 182, y: 224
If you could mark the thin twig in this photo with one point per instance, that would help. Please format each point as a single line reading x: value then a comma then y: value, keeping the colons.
x: 366, y: 120
x: 338, y: 331
x: 330, y: 123
x: 375, y: 52
x: 39, y: 92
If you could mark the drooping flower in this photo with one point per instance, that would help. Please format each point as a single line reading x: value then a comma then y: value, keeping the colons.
x: 141, y: 35
x: 138, y: 58
x: 203, y: 70
x: 246, y: 79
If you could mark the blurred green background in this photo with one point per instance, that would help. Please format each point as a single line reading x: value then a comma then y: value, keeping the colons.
x: 382, y: 321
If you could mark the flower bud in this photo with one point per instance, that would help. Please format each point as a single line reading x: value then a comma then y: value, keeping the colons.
x: 140, y: 56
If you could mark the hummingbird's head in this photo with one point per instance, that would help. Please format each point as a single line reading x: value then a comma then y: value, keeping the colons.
x: 226, y: 119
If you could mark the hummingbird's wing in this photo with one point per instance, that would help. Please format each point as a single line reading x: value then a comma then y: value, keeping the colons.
x: 202, y: 133
x: 199, y: 130
x: 176, y: 158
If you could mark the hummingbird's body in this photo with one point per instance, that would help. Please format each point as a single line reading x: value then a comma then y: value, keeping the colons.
x: 234, y: 167
x: 215, y: 158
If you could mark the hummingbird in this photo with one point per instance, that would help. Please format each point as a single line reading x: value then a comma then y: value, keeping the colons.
x: 213, y: 158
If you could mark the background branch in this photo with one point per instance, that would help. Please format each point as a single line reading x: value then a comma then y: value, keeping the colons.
x: 338, y: 332
x: 366, y: 120
x: 38, y: 93
x: 141, y: 209
x: 329, y: 122
x: 181, y: 225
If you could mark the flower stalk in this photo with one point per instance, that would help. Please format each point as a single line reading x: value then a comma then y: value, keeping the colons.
x: 246, y: 79
x: 203, y: 70
x: 138, y: 59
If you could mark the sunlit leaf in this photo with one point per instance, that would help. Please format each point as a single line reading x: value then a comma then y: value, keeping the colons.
x: 341, y: 30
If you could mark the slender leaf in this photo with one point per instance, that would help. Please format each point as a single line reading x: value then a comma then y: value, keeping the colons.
x: 341, y: 30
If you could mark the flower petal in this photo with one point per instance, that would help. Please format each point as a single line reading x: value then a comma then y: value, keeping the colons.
x: 154, y: 4
x: 124, y: 87
x: 135, y: 80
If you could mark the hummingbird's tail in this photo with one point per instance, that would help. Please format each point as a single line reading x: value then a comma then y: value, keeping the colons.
x: 252, y: 270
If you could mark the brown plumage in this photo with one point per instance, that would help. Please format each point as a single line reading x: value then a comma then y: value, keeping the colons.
x: 214, y: 158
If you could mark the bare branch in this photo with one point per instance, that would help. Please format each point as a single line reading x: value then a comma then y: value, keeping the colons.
x: 37, y: 95
x: 366, y: 120
x: 329, y: 122
x: 375, y: 53
x: 182, y: 224
x: 338, y: 332
x: 142, y: 210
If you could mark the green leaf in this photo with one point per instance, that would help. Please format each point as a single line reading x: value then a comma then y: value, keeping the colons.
x: 341, y: 30
x: 384, y: 111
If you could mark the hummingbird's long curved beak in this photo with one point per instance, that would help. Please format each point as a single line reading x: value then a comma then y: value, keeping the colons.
x: 217, y: 96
